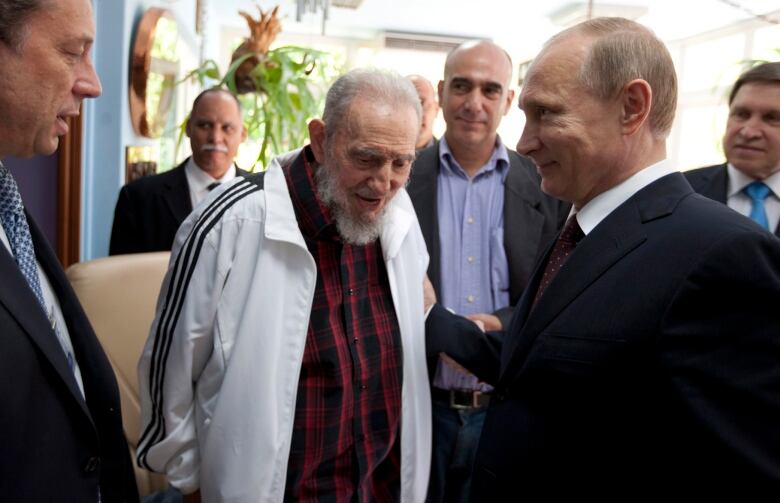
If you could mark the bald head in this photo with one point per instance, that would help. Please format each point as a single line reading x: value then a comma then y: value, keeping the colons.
x: 474, y: 96
x: 480, y: 49
x: 430, y: 108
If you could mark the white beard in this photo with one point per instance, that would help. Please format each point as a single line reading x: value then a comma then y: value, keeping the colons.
x: 352, y: 230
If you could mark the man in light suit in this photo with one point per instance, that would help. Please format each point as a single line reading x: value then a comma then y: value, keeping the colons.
x: 149, y: 210
x: 484, y: 217
x: 61, y: 433
x: 642, y: 360
x: 749, y: 181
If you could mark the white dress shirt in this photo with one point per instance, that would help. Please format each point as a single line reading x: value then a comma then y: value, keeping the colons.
x: 598, y: 208
x: 739, y: 201
x: 199, y: 181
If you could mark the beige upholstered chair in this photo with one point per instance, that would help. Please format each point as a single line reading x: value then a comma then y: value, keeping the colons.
x: 119, y: 295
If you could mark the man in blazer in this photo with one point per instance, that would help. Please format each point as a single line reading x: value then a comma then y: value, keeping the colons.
x: 749, y: 181
x: 484, y: 217
x: 150, y: 210
x: 641, y: 362
x: 61, y: 433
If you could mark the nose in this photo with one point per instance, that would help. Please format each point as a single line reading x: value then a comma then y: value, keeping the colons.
x: 382, y: 181
x: 474, y: 100
x: 750, y: 130
x: 87, y: 84
x: 528, y: 142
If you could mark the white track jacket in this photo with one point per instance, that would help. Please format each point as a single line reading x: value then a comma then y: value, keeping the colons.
x: 219, y: 372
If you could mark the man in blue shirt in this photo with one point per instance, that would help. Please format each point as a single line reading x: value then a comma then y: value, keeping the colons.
x: 484, y: 218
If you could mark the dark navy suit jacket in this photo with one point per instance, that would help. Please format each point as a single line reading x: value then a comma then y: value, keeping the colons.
x: 649, y: 368
x: 150, y: 210
x: 713, y: 182
x: 54, y: 445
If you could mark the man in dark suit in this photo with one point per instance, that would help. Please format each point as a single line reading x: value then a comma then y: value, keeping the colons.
x: 749, y: 181
x: 149, y: 210
x: 484, y: 217
x: 61, y: 433
x: 642, y: 360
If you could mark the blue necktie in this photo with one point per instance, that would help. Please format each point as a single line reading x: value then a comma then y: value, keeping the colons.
x: 758, y: 192
x: 18, y: 232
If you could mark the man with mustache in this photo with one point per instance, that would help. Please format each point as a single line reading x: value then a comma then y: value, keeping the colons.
x: 150, y: 210
x: 749, y: 181
x: 483, y: 217
x: 286, y: 361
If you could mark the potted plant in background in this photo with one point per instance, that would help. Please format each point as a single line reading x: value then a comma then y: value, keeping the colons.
x: 280, y: 89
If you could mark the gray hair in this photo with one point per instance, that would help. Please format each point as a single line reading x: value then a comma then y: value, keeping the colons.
x: 13, y: 20
x: 376, y: 86
x: 768, y: 73
x: 217, y: 90
x: 622, y: 51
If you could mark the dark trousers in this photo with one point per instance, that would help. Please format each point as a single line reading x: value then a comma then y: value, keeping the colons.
x: 455, y: 438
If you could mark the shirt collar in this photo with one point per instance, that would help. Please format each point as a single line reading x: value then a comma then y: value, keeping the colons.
x: 198, y: 180
x: 313, y: 216
x: 598, y: 208
x: 739, y: 180
x: 499, y: 160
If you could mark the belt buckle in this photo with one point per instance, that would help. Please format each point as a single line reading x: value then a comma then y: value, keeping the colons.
x: 458, y: 405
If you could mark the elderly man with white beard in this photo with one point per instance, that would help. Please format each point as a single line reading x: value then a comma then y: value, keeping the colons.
x: 287, y: 358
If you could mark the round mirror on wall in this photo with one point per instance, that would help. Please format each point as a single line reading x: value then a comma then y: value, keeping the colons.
x: 153, y: 71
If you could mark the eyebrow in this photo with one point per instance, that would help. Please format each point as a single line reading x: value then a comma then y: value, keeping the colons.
x: 379, y: 154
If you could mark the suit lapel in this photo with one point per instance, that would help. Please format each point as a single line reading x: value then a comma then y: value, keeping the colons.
x: 423, y: 192
x: 22, y: 304
x: 177, y: 194
x: 616, y: 236
x: 714, y: 184
x: 523, y: 224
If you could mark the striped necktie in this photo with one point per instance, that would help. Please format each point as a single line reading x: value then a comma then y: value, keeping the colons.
x: 18, y: 232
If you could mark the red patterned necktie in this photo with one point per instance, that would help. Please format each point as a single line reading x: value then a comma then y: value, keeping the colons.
x: 563, y: 247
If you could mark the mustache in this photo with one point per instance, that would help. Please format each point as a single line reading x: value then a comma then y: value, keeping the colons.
x: 208, y: 147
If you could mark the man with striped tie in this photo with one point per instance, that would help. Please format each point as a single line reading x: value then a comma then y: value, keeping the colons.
x: 749, y: 181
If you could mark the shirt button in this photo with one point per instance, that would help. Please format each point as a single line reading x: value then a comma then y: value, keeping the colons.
x: 470, y: 299
x: 363, y: 387
x: 470, y: 260
x: 92, y: 464
x: 470, y: 220
x: 355, y: 340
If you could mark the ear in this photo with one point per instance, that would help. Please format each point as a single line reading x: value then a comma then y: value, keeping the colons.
x: 244, y: 133
x: 440, y: 90
x: 317, y: 139
x: 510, y: 96
x: 637, y: 98
x: 187, y: 127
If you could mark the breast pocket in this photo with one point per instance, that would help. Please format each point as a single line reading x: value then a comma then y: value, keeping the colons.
x: 580, y: 354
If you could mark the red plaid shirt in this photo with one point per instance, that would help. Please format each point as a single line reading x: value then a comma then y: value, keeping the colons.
x: 346, y: 433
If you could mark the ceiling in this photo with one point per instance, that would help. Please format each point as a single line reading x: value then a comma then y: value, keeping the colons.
x: 520, y: 26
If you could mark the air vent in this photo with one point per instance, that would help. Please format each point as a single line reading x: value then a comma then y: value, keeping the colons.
x: 423, y: 41
x: 346, y: 4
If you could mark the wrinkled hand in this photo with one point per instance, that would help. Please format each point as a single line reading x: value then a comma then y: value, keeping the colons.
x: 488, y: 322
x: 429, y: 294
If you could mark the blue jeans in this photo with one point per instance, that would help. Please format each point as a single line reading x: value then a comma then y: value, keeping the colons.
x: 455, y: 438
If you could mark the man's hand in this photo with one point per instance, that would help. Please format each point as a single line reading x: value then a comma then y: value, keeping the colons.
x: 429, y: 294
x: 192, y: 497
x: 490, y: 323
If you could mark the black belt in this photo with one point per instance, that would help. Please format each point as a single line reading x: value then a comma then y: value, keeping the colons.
x: 461, y: 398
